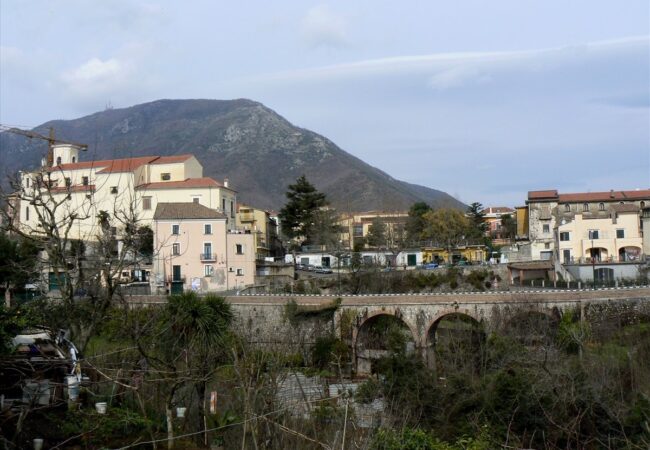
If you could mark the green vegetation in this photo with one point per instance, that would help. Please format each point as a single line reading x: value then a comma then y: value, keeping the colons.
x: 536, y: 381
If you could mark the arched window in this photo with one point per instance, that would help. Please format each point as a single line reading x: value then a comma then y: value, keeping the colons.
x: 567, y: 207
x: 601, y: 206
x: 642, y: 204
x: 58, y: 160
x: 74, y: 159
x: 585, y: 206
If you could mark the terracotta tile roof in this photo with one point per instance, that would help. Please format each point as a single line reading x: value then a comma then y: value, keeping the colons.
x: 531, y: 265
x: 76, y: 188
x: 605, y: 196
x: 172, y: 159
x: 127, y: 165
x: 497, y: 210
x: 548, y: 194
x: 124, y: 164
x: 628, y: 207
x: 184, y: 184
x: 188, y: 210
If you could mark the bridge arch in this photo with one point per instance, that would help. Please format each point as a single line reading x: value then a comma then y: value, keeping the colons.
x: 533, y: 326
x: 378, y: 334
x: 454, y: 340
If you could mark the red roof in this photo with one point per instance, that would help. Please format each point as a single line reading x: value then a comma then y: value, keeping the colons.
x: 127, y: 165
x: 536, y: 195
x: 590, y: 196
x: 75, y: 188
x: 497, y: 210
x: 124, y: 164
x: 109, y: 165
x: 172, y: 159
x: 187, y: 183
x: 605, y: 196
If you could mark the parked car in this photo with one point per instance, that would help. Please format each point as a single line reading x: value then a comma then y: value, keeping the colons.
x: 320, y: 269
x: 430, y: 266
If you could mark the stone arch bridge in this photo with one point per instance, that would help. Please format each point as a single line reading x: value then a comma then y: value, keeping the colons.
x: 262, y: 316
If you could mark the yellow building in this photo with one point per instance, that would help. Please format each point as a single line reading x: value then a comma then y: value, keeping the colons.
x: 613, y: 239
x: 356, y: 226
x: 472, y: 253
x: 262, y: 226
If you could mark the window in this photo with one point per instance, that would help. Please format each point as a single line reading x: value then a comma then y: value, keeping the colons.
x: 68, y: 182
x: 585, y: 206
x: 208, y: 270
x: 240, y: 249
x: 620, y: 234
x: 565, y: 236
x: 165, y: 176
x: 547, y: 245
x: 601, y: 206
x: 223, y: 205
x: 27, y: 213
x: 240, y: 272
x: 546, y: 228
x: 114, y: 190
x: 207, y: 250
x: 176, y: 229
x: 232, y: 208
x: 146, y: 203
x: 58, y: 160
x: 357, y: 230
x: 74, y: 159
x: 593, y: 234
x: 113, y: 231
x: 642, y: 204
x: 567, y: 207
x: 195, y: 199
x: 84, y: 181
x: 207, y: 228
x: 176, y: 249
x: 27, y: 185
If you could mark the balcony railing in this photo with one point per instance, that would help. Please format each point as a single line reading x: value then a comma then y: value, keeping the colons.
x: 208, y: 257
x: 172, y: 279
x: 606, y: 260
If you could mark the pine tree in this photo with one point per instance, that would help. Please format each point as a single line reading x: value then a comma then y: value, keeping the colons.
x: 299, y: 214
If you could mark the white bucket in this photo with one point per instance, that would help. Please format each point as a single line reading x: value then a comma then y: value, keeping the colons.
x: 101, y: 407
x: 180, y: 412
x: 73, y: 387
x: 38, y: 443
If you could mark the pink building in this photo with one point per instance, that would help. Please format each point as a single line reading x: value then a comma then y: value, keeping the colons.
x: 194, y: 250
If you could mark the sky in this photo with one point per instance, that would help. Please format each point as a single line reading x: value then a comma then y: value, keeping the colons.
x: 485, y: 100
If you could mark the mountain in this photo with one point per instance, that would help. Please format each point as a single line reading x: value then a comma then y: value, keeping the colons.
x: 258, y: 150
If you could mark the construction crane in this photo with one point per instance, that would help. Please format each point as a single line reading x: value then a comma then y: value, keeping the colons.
x: 51, y: 140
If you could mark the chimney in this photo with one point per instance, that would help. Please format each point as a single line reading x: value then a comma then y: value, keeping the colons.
x: 611, y: 193
x: 225, y: 182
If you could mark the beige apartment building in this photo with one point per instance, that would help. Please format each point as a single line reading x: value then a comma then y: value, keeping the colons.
x: 356, y: 226
x: 194, y: 250
x: 613, y: 239
x: 546, y: 210
x: 263, y: 228
x: 128, y: 188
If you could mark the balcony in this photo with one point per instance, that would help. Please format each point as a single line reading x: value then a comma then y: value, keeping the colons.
x: 171, y: 279
x: 246, y: 217
x: 208, y: 257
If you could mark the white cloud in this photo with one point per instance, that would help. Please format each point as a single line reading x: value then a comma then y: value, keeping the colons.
x: 321, y: 27
x: 449, y: 70
x: 95, y: 71
x: 99, y: 81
